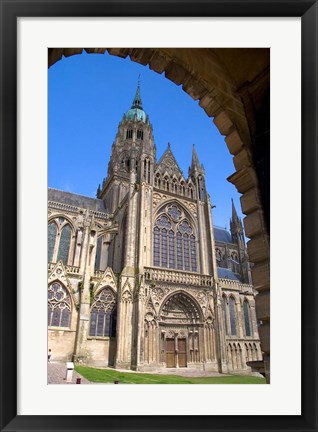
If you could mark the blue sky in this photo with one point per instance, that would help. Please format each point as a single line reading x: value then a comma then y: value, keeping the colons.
x: 88, y: 95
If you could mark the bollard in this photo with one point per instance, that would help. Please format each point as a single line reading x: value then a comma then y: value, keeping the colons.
x: 78, y: 380
x: 116, y: 382
x: 69, y: 372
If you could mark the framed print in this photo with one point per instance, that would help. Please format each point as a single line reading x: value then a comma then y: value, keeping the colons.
x: 269, y: 98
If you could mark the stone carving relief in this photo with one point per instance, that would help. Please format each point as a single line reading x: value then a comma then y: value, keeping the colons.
x: 149, y: 317
x: 179, y: 308
x: 107, y: 279
x: 201, y: 297
x: 59, y: 273
x: 192, y: 207
x: 126, y: 297
x: 157, y: 198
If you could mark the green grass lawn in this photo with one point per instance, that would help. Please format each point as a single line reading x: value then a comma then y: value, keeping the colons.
x: 109, y: 376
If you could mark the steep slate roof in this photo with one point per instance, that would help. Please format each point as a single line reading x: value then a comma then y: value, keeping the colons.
x: 225, y: 273
x: 76, y: 200
x: 222, y: 235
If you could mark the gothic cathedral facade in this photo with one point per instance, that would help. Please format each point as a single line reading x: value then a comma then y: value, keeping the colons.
x: 138, y: 277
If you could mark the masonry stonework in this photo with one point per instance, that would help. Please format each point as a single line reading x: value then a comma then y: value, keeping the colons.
x: 139, y: 277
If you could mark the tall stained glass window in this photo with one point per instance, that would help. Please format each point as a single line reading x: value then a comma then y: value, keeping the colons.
x: 64, y: 245
x: 174, y: 241
x: 103, y: 314
x: 225, y: 315
x: 52, y: 229
x: 246, y: 311
x: 98, y: 252
x: 232, y: 316
x: 59, y: 306
x: 59, y: 240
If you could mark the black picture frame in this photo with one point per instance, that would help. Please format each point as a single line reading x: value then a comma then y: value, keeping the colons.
x: 10, y: 11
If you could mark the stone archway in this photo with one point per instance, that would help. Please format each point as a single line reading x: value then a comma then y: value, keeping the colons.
x: 181, y: 331
x: 232, y: 86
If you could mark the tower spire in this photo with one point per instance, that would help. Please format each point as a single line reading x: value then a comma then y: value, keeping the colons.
x: 137, y: 103
x: 195, y: 160
x: 234, y: 212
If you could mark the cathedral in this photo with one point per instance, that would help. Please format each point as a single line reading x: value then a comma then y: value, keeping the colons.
x: 138, y: 277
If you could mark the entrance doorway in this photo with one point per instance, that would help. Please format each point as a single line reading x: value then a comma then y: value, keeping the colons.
x: 176, y: 353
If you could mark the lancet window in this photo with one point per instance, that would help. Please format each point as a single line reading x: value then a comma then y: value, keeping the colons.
x: 59, y: 306
x: 174, y: 240
x: 140, y: 134
x: 129, y: 134
x: 232, y: 316
x: 247, y: 321
x: 59, y: 241
x: 225, y: 315
x: 103, y: 314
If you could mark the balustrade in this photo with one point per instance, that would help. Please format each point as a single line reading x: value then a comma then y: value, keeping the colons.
x: 178, y: 277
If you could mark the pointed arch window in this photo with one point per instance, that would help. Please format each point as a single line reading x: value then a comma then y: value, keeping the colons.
x: 175, y: 186
x: 98, y: 252
x: 59, y: 306
x: 129, y: 134
x: 103, y: 314
x: 232, y: 316
x: 52, y: 230
x: 174, y: 243
x: 247, y: 321
x: 225, y: 315
x: 64, y: 246
x: 191, y: 195
x: 60, y: 241
x: 157, y: 180
x: 102, y: 248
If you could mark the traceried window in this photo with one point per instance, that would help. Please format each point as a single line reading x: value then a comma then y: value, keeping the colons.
x: 103, y: 314
x: 59, y: 306
x: 59, y: 241
x: 246, y: 311
x: 129, y: 134
x: 174, y: 241
x: 232, y: 316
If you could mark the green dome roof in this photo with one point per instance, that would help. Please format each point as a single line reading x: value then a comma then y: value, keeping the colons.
x: 136, y: 110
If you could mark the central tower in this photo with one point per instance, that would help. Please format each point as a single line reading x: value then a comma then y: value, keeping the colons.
x: 127, y: 193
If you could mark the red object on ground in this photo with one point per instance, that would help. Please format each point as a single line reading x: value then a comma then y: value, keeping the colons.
x: 78, y: 380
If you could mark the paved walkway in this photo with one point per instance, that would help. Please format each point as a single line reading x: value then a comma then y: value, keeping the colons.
x: 56, y: 374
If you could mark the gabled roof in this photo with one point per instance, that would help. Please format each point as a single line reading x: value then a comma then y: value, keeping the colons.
x: 166, y: 159
x: 76, y: 200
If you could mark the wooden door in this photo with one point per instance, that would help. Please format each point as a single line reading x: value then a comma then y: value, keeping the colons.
x: 170, y: 353
x: 182, y: 353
